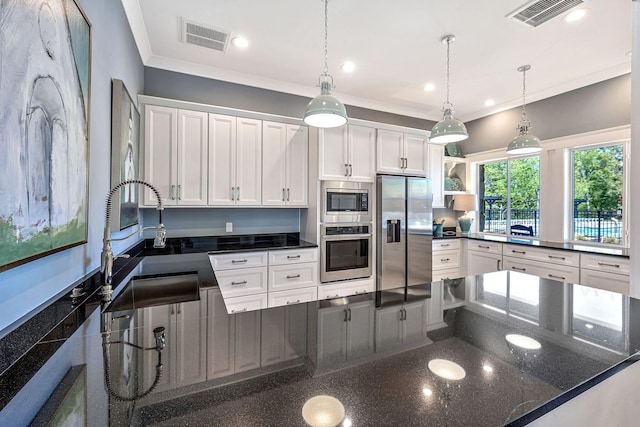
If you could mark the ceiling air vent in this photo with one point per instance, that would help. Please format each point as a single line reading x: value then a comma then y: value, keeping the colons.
x: 540, y: 11
x: 205, y: 36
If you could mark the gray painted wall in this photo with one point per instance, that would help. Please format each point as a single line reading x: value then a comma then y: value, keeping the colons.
x: 114, y: 55
x: 599, y: 106
x: 185, y: 87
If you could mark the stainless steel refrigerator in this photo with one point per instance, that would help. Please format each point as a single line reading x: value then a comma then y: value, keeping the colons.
x: 404, y: 231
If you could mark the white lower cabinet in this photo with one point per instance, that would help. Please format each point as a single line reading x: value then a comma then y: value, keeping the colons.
x: 543, y: 269
x: 446, y: 259
x: 345, y: 332
x: 604, y: 280
x: 293, y: 296
x: 284, y: 334
x: 233, y: 343
x: 402, y: 324
x: 344, y: 289
x: 245, y: 281
x: 185, y: 355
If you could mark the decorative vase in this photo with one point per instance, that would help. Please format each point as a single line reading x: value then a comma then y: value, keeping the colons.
x: 437, y: 230
x: 465, y: 224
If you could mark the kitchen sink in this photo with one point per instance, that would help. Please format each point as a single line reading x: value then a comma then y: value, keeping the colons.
x: 157, y: 289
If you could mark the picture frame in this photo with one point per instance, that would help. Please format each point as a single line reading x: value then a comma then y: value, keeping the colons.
x: 67, y: 405
x: 44, y: 167
x: 125, y: 152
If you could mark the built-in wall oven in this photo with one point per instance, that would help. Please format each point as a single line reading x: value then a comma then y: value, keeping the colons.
x: 346, y: 251
x: 346, y: 202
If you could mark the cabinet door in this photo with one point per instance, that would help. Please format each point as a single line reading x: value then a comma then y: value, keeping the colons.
x: 415, y: 153
x: 154, y: 317
x: 362, y: 153
x: 274, y: 173
x: 332, y: 153
x: 220, y: 341
x: 388, y: 328
x: 415, y: 322
x: 249, y: 162
x: 481, y: 262
x: 160, y: 153
x: 247, y: 341
x: 191, y: 345
x: 332, y: 333
x: 273, y: 336
x: 222, y: 159
x: 390, y: 152
x: 297, y: 166
x: 193, y: 142
x: 360, y: 329
x: 436, y: 159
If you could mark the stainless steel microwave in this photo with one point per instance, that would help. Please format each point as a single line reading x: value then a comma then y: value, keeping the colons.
x: 346, y: 202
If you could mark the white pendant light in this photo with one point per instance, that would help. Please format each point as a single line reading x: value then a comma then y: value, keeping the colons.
x: 325, y: 111
x: 448, y: 129
x: 524, y: 143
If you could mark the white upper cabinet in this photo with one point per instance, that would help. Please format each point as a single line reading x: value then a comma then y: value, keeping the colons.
x: 347, y: 153
x: 235, y: 161
x: 175, y: 156
x: 285, y: 165
x: 401, y: 153
x: 436, y: 159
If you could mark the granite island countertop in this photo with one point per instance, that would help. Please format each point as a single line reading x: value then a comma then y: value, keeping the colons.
x: 503, y: 329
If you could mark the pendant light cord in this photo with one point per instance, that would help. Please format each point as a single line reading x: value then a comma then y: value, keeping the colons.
x: 326, y: 32
x: 524, y: 86
x: 448, y: 49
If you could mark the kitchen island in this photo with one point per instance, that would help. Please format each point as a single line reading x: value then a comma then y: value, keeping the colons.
x: 486, y: 350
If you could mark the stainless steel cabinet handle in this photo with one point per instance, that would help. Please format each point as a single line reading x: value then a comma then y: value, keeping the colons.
x: 288, y: 194
x: 172, y: 192
x: 283, y: 194
x: 238, y: 261
x: 349, y: 310
x: 179, y: 192
x: 173, y: 311
x: 237, y: 193
x: 334, y: 296
x: 484, y: 247
x: 556, y: 257
x: 445, y: 259
x: 293, y: 256
x: 179, y: 310
x: 346, y: 169
x: 350, y: 169
x: 556, y: 277
x: 518, y: 252
x: 293, y: 302
x: 518, y: 269
x: 346, y: 315
x: 444, y: 245
x: 233, y: 193
x: 239, y: 311
x: 244, y: 282
x: 295, y: 276
x: 498, y: 265
x: 606, y: 264
x: 359, y: 293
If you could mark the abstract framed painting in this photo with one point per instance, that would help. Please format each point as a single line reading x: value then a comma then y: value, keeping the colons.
x: 125, y: 147
x: 45, y: 64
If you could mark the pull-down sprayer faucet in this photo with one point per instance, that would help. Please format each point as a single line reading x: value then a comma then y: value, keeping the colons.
x: 107, y: 258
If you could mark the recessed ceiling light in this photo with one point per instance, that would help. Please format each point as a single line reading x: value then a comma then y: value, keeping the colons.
x: 429, y: 87
x: 348, y: 67
x: 576, y: 15
x: 240, y: 42
x: 489, y: 103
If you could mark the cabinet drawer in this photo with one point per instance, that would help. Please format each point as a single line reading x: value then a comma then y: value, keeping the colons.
x: 604, y: 280
x: 247, y: 281
x: 543, y: 269
x: 486, y: 247
x: 447, y: 273
x: 292, y: 256
x: 610, y: 264
x: 445, y: 244
x: 282, y: 277
x: 238, y: 260
x: 446, y: 259
x: 246, y: 303
x: 294, y: 296
x: 545, y: 255
x: 343, y: 289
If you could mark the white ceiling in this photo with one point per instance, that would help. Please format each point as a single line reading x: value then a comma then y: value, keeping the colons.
x: 396, y: 47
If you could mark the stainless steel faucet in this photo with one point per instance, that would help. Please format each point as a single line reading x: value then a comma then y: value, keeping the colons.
x: 107, y: 258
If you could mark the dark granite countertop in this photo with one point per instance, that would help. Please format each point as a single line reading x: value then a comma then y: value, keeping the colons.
x: 524, y: 345
x: 577, y: 247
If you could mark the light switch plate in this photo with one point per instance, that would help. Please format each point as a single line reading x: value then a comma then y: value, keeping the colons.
x: 229, y: 227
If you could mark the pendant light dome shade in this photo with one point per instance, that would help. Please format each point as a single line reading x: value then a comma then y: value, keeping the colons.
x: 325, y: 110
x: 448, y: 129
x: 524, y: 143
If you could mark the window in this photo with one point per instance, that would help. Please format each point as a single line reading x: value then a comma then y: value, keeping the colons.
x: 509, y: 196
x: 598, y: 186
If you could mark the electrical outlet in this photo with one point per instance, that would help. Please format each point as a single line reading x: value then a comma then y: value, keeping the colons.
x: 229, y: 227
